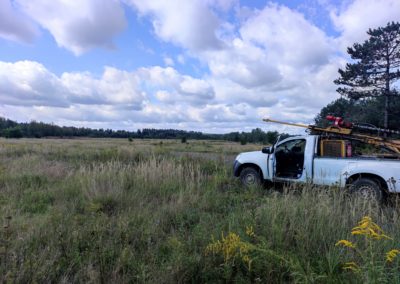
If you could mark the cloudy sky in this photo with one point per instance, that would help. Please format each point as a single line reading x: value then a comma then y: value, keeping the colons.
x: 208, y: 65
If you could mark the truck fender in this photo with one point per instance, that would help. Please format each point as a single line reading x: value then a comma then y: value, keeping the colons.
x: 255, y: 159
x: 350, y: 175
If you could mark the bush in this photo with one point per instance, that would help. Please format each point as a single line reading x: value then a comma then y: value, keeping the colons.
x: 14, y: 132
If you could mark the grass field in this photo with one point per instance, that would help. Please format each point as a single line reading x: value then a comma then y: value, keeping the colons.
x: 153, y: 211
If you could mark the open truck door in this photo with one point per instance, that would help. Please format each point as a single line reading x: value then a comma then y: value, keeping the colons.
x: 291, y: 160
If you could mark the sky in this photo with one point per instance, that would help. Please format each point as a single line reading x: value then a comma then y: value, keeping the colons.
x: 206, y: 65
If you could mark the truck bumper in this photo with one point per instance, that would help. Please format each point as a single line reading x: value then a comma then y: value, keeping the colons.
x: 236, y: 167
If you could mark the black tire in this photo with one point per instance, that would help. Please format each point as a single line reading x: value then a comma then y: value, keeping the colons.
x: 367, y: 189
x: 250, y: 177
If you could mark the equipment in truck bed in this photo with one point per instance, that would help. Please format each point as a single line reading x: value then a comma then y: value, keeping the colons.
x: 335, y: 148
x: 347, y: 131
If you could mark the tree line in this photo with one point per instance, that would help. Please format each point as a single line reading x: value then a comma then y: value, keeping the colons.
x: 34, y: 129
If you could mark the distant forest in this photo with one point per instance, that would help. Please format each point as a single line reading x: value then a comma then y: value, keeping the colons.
x: 33, y: 129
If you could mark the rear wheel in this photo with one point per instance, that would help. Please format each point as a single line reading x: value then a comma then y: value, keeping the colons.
x: 367, y: 189
x: 250, y: 177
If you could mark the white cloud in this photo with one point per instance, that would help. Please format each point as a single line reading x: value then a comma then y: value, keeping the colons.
x: 115, y: 87
x: 30, y: 83
x: 271, y: 42
x: 171, y: 87
x: 14, y: 25
x: 224, y: 113
x: 276, y: 61
x: 157, y: 75
x: 355, y: 19
x: 191, y: 24
x: 244, y: 64
x: 287, y: 36
x: 229, y: 92
x: 116, y: 95
x: 168, y: 61
x: 78, y: 25
x: 192, y: 86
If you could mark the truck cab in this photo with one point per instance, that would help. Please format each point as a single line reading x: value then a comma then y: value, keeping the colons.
x: 287, y: 160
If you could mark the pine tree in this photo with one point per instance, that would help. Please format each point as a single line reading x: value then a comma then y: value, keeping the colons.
x: 376, y: 70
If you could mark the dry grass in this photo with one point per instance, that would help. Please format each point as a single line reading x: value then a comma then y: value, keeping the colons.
x: 94, y: 210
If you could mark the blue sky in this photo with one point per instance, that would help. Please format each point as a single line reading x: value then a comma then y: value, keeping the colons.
x: 135, y: 46
x: 214, y: 66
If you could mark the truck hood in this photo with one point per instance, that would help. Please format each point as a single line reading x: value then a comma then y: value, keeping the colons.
x: 250, y: 156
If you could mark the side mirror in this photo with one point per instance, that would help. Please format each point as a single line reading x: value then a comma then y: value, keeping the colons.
x: 267, y: 150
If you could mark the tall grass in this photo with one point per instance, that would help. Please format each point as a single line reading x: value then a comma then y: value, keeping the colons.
x: 136, y: 212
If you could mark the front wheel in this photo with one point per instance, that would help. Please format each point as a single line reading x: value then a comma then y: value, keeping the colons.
x: 367, y: 189
x: 250, y: 177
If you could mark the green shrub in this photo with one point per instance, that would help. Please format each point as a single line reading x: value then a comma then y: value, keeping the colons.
x: 14, y: 132
x: 36, y: 201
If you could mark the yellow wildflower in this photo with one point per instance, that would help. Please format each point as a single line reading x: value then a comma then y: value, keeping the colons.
x: 231, y: 247
x: 246, y: 259
x: 345, y: 243
x: 214, y: 247
x: 366, y: 227
x: 351, y: 266
x: 250, y: 231
x: 391, y: 255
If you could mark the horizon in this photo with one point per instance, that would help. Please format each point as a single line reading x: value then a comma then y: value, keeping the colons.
x: 299, y: 132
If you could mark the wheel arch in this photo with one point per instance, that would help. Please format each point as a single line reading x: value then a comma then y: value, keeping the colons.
x: 378, y: 179
x: 250, y: 165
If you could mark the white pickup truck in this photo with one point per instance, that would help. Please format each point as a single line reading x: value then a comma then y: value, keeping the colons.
x: 311, y: 159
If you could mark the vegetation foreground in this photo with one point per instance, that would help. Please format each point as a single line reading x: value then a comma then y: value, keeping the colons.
x: 163, y: 212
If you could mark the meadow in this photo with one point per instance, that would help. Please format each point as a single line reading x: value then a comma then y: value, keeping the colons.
x: 162, y: 211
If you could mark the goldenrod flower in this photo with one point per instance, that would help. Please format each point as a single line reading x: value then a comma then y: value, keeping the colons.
x: 351, y: 266
x: 246, y: 259
x: 230, y: 247
x: 391, y: 255
x: 250, y: 231
x: 345, y: 243
x: 368, y: 228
